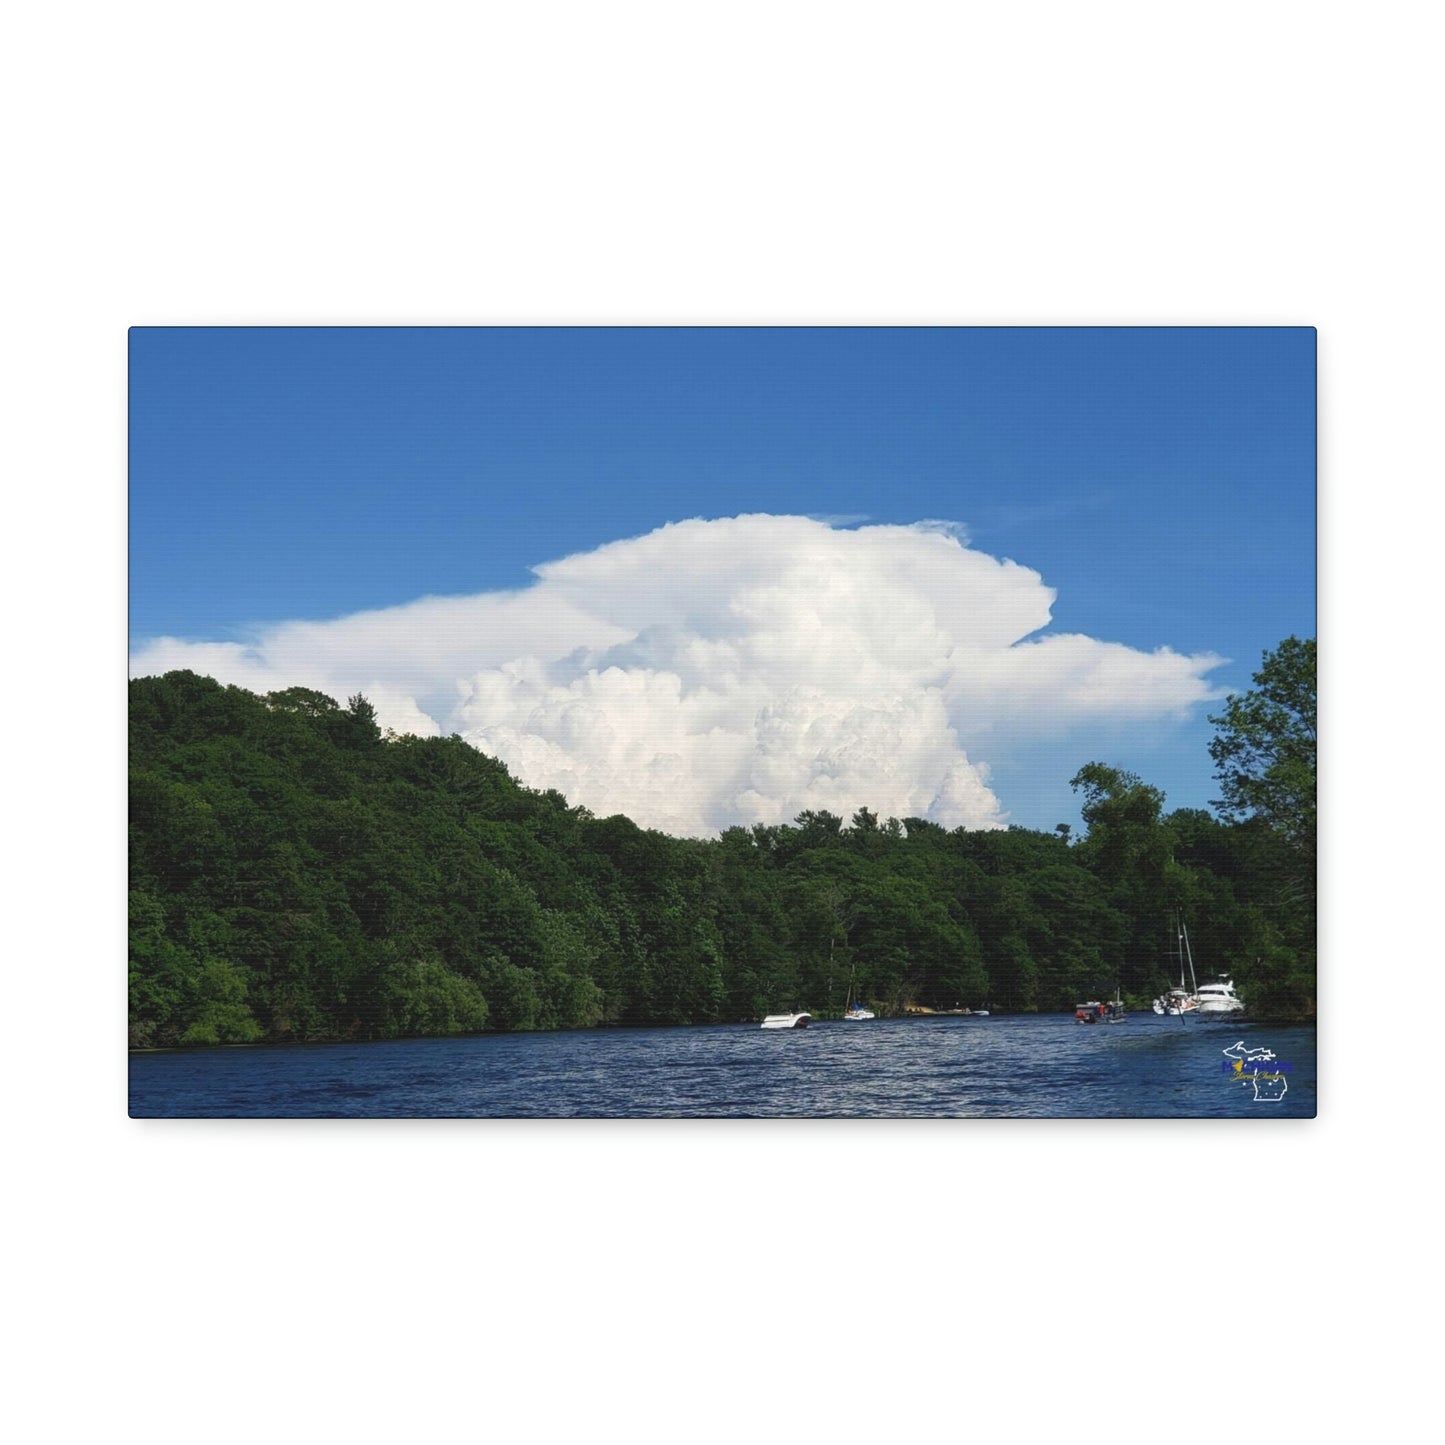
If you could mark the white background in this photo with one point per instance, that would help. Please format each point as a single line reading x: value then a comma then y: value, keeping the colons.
x: 625, y: 162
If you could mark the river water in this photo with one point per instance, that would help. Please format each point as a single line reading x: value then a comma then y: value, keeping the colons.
x: 996, y: 1067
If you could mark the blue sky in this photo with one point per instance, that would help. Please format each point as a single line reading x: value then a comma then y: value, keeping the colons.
x: 1161, y: 481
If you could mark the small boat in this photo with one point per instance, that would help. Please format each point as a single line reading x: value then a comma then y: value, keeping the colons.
x: 1111, y: 1011
x: 797, y: 1020
x: 1218, y: 998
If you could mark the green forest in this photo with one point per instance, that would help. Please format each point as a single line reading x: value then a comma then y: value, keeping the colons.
x: 296, y: 875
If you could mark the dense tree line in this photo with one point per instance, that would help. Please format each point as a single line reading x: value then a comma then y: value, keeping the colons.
x: 296, y: 875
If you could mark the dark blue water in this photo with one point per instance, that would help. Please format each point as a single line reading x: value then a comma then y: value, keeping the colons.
x: 1025, y: 1067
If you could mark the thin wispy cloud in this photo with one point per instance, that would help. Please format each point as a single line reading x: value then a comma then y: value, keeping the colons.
x: 735, y: 670
x: 993, y: 519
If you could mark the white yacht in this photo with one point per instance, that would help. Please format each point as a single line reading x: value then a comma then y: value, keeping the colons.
x: 1218, y: 998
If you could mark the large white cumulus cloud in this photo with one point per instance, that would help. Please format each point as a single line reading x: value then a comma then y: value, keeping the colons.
x: 736, y: 670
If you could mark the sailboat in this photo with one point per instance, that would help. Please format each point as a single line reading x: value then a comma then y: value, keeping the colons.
x: 1180, y: 1001
x: 855, y: 1009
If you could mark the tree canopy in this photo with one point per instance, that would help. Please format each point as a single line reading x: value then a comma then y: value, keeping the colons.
x: 1264, y: 752
x: 296, y: 875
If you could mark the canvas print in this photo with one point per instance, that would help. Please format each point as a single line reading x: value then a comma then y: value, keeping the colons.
x: 694, y: 722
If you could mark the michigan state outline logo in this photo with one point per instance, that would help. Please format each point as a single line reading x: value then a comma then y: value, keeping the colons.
x: 1257, y: 1069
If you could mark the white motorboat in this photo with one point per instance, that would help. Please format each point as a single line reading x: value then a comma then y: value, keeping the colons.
x: 788, y: 1021
x: 1218, y: 998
